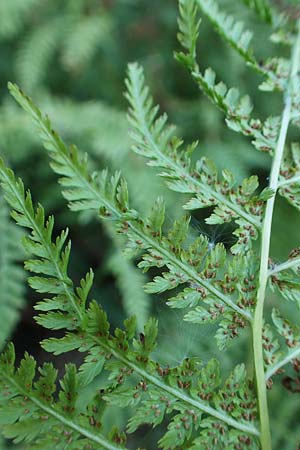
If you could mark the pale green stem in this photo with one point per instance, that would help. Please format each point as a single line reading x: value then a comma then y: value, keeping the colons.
x: 265, y: 250
x: 285, y: 266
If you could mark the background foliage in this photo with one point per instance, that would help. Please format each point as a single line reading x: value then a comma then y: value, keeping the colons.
x: 71, y: 57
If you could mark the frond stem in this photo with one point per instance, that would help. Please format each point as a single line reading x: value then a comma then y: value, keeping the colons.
x: 265, y: 248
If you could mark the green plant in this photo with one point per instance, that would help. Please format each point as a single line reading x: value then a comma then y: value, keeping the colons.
x: 198, y: 409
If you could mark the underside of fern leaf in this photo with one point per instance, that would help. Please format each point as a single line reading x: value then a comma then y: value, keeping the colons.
x: 191, y: 391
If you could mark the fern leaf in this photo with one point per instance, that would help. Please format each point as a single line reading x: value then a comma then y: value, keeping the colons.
x: 51, y: 258
x: 262, y: 8
x: 289, y: 184
x: 275, y: 69
x: 188, y: 28
x: 155, y: 391
x: 110, y: 196
x: 155, y: 140
x: 286, y: 281
x: 78, y: 52
x: 287, y: 353
x: 233, y: 32
x: 125, y: 356
x: 29, y: 413
x: 36, y: 52
x: 237, y: 109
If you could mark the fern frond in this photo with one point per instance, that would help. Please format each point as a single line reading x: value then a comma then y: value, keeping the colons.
x: 154, y: 391
x: 284, y: 278
x: 155, y: 140
x: 12, y: 276
x: 196, y: 406
x: 170, y: 389
x: 36, y: 51
x: 291, y: 351
x: 290, y: 175
x: 50, y: 258
x: 29, y: 412
x: 293, y: 262
x: 262, y: 8
x: 77, y: 52
x: 196, y: 265
x: 276, y: 70
x: 129, y: 359
x: 230, y: 30
x: 237, y: 109
x: 188, y: 28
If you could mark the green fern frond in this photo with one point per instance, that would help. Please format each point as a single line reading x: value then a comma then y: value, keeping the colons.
x: 276, y: 70
x: 262, y: 8
x: 77, y: 52
x: 278, y: 356
x: 155, y: 140
x: 135, y: 380
x: 188, y: 28
x: 50, y: 258
x: 233, y: 33
x: 36, y: 51
x: 237, y: 109
x: 289, y: 184
x: 230, y: 30
x: 178, y: 389
x: 110, y: 197
x: 196, y: 407
x: 29, y: 412
x: 284, y: 278
x: 12, y: 276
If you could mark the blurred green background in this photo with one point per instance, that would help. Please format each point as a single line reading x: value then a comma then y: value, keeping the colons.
x: 71, y: 57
